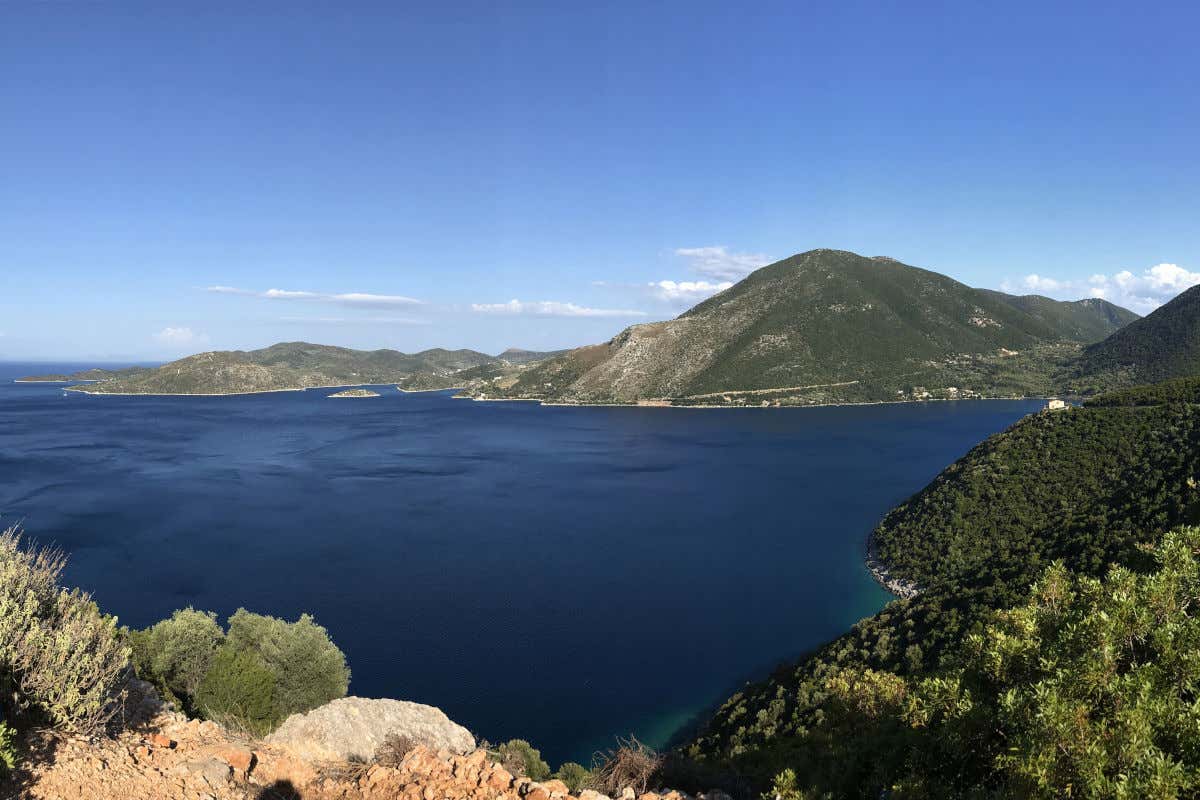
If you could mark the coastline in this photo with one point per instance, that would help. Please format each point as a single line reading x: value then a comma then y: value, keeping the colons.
x: 901, y: 588
x: 712, y: 406
x: 80, y: 388
x: 426, y: 391
x: 221, y: 394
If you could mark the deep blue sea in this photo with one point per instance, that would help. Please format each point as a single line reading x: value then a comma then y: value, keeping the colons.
x: 557, y: 574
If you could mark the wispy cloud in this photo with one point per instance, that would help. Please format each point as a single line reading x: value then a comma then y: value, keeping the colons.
x: 180, y: 337
x: 551, y: 308
x: 1142, y: 292
x: 363, y: 299
x: 355, y: 320
x: 686, y: 292
x: 718, y: 262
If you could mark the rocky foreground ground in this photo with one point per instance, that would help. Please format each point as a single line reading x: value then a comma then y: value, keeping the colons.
x: 162, y: 755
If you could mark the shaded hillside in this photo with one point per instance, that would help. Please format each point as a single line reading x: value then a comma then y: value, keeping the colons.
x: 292, y: 365
x: 515, y: 355
x: 1089, y: 320
x: 831, y: 326
x: 1164, y: 344
x: 1085, y: 485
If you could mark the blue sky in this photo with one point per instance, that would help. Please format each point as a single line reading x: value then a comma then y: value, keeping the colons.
x: 544, y: 175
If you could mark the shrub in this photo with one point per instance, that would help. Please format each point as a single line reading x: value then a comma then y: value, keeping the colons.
x: 632, y: 764
x: 521, y: 758
x: 393, y: 750
x: 177, y: 652
x: 239, y: 691
x: 8, y: 749
x: 784, y: 787
x: 1088, y: 689
x: 58, y: 652
x: 575, y: 776
x: 309, y: 669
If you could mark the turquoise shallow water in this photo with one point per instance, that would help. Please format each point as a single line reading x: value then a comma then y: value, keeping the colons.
x: 559, y: 574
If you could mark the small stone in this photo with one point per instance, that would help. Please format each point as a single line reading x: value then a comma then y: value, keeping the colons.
x: 500, y: 779
x: 240, y: 758
x: 537, y: 792
x: 592, y: 794
x: 158, y: 740
x: 628, y: 793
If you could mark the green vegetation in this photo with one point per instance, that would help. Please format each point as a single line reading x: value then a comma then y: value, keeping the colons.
x: 240, y: 691
x: 252, y: 677
x: 1090, y: 487
x: 8, y: 749
x: 1091, y: 688
x: 60, y: 658
x: 832, y: 326
x: 575, y: 776
x: 1163, y: 345
x: 178, y: 651
x: 521, y: 758
x: 1179, y: 390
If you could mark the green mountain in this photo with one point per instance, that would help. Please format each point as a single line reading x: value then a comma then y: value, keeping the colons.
x: 1164, y: 344
x: 830, y: 326
x: 1086, y: 486
x: 293, y: 365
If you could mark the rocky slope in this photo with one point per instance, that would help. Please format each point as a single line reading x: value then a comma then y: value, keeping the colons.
x: 830, y: 326
x: 162, y: 755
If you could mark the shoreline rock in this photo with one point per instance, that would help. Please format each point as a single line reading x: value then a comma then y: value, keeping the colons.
x: 900, y: 587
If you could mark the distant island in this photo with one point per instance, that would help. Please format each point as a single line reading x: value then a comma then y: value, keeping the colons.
x: 355, y: 393
x: 293, y: 366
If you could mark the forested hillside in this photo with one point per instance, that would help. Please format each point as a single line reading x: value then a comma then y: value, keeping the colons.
x: 1087, y: 486
x: 1161, y: 345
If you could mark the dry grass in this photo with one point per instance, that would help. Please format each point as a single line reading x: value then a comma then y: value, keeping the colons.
x: 393, y: 750
x: 631, y: 764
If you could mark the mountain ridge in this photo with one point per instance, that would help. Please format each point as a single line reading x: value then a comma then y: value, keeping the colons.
x: 831, y: 326
x: 296, y: 365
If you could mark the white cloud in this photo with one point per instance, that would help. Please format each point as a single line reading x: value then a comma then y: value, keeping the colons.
x: 551, y: 308
x: 1037, y: 283
x: 284, y: 294
x: 356, y: 320
x: 717, y: 262
x: 346, y: 298
x: 1142, y: 292
x: 180, y: 337
x: 686, y: 292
